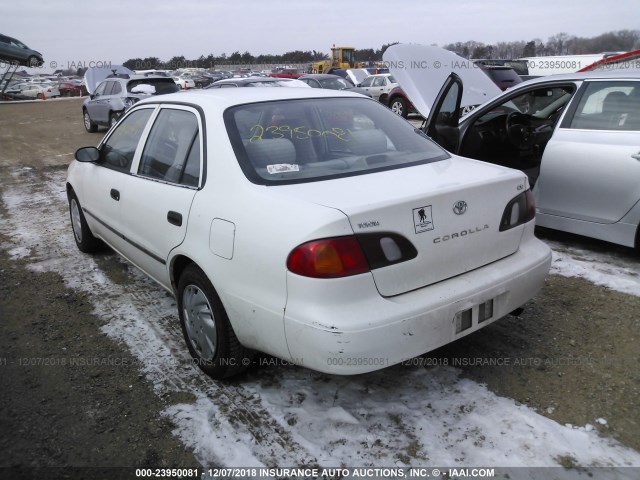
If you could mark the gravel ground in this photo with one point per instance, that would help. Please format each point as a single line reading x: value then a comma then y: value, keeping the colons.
x: 573, y: 354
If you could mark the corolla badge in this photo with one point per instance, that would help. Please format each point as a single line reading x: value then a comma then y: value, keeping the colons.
x: 459, y: 207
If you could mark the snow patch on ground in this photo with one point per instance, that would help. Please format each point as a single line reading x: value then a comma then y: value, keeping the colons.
x: 609, y: 270
x: 288, y: 416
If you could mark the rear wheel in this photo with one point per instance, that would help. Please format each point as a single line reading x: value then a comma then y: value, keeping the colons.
x: 85, y: 240
x: 89, y: 125
x: 113, y: 118
x: 207, y: 331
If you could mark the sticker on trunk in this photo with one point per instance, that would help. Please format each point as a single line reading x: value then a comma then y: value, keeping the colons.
x: 422, y: 219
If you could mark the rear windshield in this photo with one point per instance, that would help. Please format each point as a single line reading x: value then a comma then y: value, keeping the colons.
x: 161, y: 85
x: 295, y: 141
x: 503, y: 74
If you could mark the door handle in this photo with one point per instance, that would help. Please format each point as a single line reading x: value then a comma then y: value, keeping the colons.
x: 636, y: 156
x: 115, y: 194
x: 174, y: 218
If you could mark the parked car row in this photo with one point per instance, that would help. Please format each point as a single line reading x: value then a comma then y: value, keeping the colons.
x: 33, y: 90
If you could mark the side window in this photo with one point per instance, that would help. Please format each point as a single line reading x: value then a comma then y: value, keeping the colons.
x: 191, y: 175
x: 378, y: 82
x: 100, y: 89
x: 108, y: 89
x: 172, y: 151
x: 116, y: 89
x: 119, y: 149
x: 367, y: 82
x: 608, y: 106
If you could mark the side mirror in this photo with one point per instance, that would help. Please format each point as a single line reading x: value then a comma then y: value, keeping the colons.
x: 87, y: 154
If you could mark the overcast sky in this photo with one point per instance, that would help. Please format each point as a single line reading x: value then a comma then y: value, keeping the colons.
x: 66, y: 31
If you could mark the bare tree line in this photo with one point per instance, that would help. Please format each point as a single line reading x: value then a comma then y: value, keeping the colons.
x: 559, y: 44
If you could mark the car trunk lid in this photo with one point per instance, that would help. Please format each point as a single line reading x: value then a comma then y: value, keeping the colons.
x: 422, y: 70
x: 449, y: 210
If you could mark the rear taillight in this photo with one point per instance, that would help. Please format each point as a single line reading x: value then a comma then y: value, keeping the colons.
x: 352, y: 255
x: 328, y: 258
x: 129, y: 102
x: 521, y: 209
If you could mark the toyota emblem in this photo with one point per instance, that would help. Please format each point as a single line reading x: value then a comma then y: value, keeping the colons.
x: 459, y: 207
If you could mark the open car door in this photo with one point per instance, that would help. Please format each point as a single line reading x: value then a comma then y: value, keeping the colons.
x: 442, y: 123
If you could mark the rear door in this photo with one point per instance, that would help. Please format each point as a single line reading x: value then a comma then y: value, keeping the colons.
x: 591, y: 166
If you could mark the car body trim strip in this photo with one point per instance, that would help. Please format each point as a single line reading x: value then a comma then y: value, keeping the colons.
x: 131, y: 242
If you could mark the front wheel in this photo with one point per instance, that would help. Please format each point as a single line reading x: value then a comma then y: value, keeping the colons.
x: 89, y: 125
x: 206, y: 328
x: 85, y: 240
x: 33, y: 62
x: 399, y: 107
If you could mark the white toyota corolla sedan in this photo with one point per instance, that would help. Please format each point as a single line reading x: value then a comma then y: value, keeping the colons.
x: 316, y: 226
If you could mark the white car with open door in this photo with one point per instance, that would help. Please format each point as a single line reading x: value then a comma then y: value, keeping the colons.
x: 576, y: 136
x: 314, y: 225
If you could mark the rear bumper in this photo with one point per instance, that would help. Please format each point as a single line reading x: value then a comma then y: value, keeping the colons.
x: 345, y: 327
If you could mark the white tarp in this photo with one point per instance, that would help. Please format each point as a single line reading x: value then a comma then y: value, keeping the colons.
x: 93, y: 76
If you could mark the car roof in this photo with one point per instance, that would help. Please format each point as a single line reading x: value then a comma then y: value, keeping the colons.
x: 138, y: 77
x: 605, y: 74
x: 229, y: 97
x: 320, y: 75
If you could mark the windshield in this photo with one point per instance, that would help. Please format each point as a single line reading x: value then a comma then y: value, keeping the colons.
x: 296, y: 141
x: 335, y: 83
x: 265, y: 83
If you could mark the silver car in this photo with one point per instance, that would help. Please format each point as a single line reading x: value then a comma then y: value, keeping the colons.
x: 114, y: 95
x: 576, y: 136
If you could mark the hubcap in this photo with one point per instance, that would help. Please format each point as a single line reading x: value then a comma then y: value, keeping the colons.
x: 87, y: 121
x: 199, y: 322
x: 396, y: 108
x: 76, y: 223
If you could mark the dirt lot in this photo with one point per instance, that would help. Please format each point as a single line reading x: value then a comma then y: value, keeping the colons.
x: 577, y: 343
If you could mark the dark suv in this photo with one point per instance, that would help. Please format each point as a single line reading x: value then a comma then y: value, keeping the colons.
x: 115, y: 94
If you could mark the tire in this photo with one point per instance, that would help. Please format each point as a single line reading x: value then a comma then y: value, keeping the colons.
x: 113, y: 118
x: 399, y: 107
x: 207, y: 331
x: 33, y: 62
x: 89, y: 125
x: 85, y: 240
